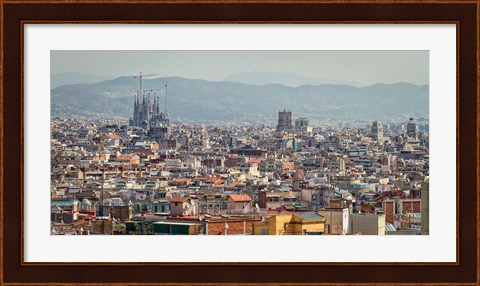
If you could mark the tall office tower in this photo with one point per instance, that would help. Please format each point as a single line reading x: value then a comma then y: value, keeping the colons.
x: 284, y: 122
x: 303, y: 125
x: 377, y: 131
x: 424, y: 206
x: 412, y: 129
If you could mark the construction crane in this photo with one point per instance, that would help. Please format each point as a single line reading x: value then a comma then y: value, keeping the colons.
x: 166, y: 95
x: 166, y: 98
x: 140, y: 76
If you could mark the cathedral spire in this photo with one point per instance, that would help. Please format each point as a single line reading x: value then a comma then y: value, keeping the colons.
x: 146, y: 110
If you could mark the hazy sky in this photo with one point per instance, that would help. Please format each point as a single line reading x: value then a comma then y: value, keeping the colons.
x: 364, y: 67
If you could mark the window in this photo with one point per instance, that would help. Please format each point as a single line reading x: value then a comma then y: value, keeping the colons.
x: 176, y: 204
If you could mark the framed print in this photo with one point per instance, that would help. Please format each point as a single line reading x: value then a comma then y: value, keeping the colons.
x: 208, y: 198
x: 239, y: 142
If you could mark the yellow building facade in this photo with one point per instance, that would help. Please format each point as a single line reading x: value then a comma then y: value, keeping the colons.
x: 291, y: 224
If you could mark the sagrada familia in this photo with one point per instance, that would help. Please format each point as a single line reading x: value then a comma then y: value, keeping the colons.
x: 145, y: 112
x: 147, y: 115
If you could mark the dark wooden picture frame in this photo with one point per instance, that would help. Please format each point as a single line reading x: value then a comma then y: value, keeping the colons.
x: 14, y: 14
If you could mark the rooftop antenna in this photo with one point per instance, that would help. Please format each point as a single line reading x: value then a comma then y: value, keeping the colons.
x: 166, y: 97
x: 166, y: 94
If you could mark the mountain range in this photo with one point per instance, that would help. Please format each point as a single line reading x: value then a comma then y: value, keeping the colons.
x: 59, y: 79
x: 286, y: 79
x: 201, y: 100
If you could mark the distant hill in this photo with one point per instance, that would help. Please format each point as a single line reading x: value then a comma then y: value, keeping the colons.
x: 200, y: 100
x: 286, y: 79
x: 60, y: 79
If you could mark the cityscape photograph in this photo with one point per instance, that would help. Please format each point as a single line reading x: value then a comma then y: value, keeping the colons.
x: 249, y: 142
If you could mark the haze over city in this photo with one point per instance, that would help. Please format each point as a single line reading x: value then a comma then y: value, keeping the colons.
x: 245, y: 86
x: 358, y: 67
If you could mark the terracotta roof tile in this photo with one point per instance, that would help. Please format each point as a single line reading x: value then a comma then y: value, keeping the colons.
x: 212, y: 180
x: 232, y: 185
x: 182, y: 180
x: 241, y: 198
x: 178, y: 200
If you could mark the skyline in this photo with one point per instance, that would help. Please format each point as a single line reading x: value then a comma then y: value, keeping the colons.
x: 356, y: 67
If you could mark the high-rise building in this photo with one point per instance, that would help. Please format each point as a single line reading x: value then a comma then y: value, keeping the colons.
x: 284, y: 122
x: 412, y: 129
x: 424, y: 207
x: 377, y: 131
x: 303, y: 125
